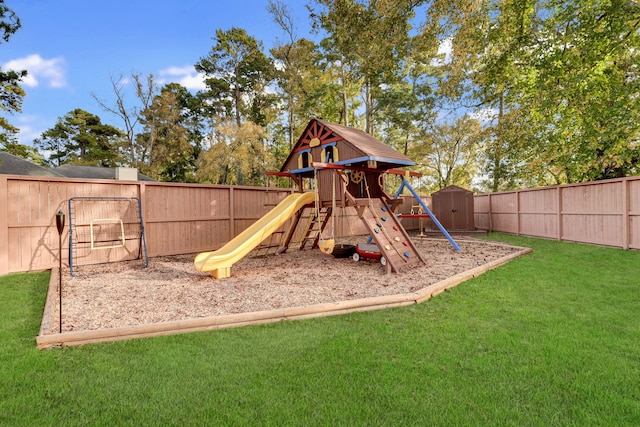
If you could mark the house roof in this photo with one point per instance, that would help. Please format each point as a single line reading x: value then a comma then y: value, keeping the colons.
x: 13, y: 165
x: 367, y: 147
x: 92, y: 172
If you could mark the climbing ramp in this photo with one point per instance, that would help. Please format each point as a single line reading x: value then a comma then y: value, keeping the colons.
x: 390, y: 236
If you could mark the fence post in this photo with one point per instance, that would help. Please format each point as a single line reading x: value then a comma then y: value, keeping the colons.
x: 232, y: 214
x: 625, y: 213
x: 4, y: 226
x: 490, y: 214
x: 517, y: 212
x: 142, y: 195
x: 559, y: 213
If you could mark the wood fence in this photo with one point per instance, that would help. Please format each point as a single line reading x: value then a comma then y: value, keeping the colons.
x: 190, y: 218
x: 178, y: 218
x: 603, y: 212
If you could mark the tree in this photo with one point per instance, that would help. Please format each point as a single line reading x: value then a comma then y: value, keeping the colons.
x: 368, y: 41
x: 11, y: 94
x: 406, y: 107
x: 560, y: 79
x: 237, y: 74
x: 165, y: 148
x: 448, y: 153
x: 296, y: 72
x: 145, y: 89
x: 81, y: 138
x: 237, y: 156
x: 585, y: 96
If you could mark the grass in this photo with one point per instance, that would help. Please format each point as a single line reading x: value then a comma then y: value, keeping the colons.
x: 552, y: 338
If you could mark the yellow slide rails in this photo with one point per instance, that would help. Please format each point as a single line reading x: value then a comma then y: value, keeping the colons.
x: 219, y: 262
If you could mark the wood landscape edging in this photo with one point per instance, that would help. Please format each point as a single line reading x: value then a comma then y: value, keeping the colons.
x: 48, y: 339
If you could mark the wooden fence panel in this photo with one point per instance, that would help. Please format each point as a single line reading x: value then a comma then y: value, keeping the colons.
x: 185, y: 219
x: 189, y: 218
x: 30, y: 205
x: 4, y: 226
x: 603, y: 212
x: 178, y: 218
x: 482, y: 211
x: 504, y: 212
x: 538, y: 213
x: 592, y: 213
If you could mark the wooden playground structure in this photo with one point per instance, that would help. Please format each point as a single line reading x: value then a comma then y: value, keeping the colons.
x: 342, y: 167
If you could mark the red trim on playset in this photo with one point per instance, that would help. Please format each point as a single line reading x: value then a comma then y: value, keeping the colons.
x: 275, y: 173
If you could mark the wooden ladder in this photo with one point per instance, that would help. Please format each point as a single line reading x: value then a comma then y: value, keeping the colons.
x: 271, y: 245
x: 314, y: 227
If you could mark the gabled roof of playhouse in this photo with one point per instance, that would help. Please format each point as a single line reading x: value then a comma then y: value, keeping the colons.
x: 362, y: 146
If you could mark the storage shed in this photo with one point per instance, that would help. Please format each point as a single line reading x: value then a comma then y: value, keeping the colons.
x: 453, y: 206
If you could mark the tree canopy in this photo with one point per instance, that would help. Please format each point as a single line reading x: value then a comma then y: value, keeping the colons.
x: 491, y: 95
x: 11, y: 93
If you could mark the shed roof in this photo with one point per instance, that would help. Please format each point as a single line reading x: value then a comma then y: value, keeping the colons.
x: 368, y: 147
x: 452, y: 188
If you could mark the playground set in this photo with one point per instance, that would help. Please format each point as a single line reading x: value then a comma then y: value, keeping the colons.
x: 344, y: 167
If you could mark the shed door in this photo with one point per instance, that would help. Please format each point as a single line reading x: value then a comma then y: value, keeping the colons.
x: 455, y: 210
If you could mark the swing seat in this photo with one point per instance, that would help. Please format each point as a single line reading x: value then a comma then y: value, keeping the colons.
x: 342, y: 250
x: 326, y: 246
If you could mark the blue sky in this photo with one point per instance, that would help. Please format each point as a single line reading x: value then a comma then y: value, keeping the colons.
x: 72, y: 48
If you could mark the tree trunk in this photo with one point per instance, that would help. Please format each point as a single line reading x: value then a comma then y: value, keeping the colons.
x: 344, y: 95
x: 368, y: 121
x: 498, y: 148
x: 237, y: 96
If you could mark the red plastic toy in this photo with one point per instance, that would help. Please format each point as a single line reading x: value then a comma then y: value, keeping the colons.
x: 368, y: 251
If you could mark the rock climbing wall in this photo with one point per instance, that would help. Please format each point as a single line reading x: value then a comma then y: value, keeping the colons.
x: 390, y: 236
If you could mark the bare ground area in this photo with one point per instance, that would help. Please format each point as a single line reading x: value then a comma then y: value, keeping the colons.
x: 124, y: 294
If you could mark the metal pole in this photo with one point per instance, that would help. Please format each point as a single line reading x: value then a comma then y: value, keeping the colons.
x: 60, y: 227
x: 428, y: 211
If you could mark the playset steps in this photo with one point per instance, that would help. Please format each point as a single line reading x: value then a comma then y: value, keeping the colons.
x: 390, y: 236
x: 270, y: 246
x: 314, y: 227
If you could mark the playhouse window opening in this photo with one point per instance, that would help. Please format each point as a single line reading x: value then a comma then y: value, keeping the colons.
x: 305, y: 159
x: 330, y: 153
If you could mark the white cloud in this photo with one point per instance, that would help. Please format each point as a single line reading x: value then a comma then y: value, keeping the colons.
x: 484, y: 115
x: 49, y: 72
x: 445, y: 49
x: 186, y: 76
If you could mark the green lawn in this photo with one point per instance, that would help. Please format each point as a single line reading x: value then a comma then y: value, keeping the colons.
x: 550, y: 339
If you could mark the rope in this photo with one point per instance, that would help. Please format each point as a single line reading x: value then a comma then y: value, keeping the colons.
x: 333, y: 203
x: 316, y: 199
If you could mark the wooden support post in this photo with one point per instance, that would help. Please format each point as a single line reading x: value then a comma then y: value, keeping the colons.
x: 490, y: 214
x: 517, y: 213
x: 232, y: 219
x: 625, y: 213
x: 559, y: 216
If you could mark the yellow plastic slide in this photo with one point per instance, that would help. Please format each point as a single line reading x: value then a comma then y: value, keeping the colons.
x: 219, y: 262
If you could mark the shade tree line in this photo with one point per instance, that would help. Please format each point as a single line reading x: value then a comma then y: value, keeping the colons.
x: 491, y: 95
